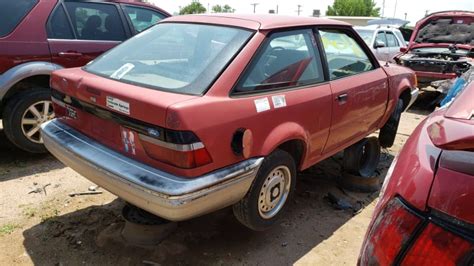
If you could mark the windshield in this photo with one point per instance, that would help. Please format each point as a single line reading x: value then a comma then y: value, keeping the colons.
x: 447, y: 30
x: 366, y: 35
x: 177, y: 57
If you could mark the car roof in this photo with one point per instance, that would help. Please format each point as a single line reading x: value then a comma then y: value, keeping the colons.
x: 256, y: 22
x: 376, y: 27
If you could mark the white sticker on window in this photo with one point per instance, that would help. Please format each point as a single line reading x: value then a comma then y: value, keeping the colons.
x: 262, y: 104
x: 279, y: 101
x: 118, y: 105
x: 122, y: 71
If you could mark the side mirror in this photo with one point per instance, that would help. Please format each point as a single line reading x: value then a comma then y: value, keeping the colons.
x: 379, y: 44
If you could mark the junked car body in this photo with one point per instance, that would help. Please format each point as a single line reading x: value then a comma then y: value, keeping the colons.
x: 441, y: 47
x: 206, y: 111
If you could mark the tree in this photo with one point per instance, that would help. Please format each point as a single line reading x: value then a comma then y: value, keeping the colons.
x: 194, y: 8
x: 223, y: 9
x: 363, y: 8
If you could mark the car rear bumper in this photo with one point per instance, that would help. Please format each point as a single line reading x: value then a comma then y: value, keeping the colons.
x: 171, y: 197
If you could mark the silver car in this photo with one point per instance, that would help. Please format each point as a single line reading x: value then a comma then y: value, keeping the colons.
x: 384, y: 40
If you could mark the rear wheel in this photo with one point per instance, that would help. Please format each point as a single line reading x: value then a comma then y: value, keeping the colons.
x: 23, y: 117
x: 270, y: 192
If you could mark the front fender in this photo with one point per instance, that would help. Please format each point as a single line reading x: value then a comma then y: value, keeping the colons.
x: 20, y: 72
x: 400, y: 79
x: 283, y: 133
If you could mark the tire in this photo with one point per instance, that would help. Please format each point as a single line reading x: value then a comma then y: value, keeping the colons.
x: 389, y: 131
x: 257, y: 213
x: 17, y: 108
x: 360, y: 184
x: 362, y: 158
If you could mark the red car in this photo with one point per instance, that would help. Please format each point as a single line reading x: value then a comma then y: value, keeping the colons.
x: 441, y: 47
x: 40, y: 36
x: 203, y: 112
x: 425, y: 215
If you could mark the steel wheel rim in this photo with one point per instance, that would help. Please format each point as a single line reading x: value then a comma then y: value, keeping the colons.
x: 33, y: 117
x: 274, y: 192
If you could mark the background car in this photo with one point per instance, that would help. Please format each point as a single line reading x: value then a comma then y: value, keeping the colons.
x: 385, y: 41
x: 425, y: 214
x: 40, y: 36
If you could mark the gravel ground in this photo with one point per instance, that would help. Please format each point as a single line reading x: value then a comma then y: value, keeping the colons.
x: 41, y: 224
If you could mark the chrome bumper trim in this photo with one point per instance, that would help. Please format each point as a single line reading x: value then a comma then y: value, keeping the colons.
x: 171, y: 197
x: 414, y: 95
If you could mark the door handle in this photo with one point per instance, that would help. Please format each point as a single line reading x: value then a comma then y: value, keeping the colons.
x: 342, y: 97
x: 69, y: 54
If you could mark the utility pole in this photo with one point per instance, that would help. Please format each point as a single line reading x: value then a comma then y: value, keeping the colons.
x: 395, y: 10
x: 254, y: 6
x: 383, y: 8
x: 405, y: 15
x: 277, y: 9
x: 299, y: 9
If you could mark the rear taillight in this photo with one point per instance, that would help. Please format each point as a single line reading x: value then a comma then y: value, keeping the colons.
x: 436, y: 246
x: 180, y: 155
x: 390, y: 231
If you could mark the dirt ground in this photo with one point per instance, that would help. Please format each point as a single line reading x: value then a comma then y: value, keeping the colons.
x: 41, y: 224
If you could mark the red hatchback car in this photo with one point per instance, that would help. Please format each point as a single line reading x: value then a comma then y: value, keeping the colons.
x: 425, y: 215
x: 203, y: 112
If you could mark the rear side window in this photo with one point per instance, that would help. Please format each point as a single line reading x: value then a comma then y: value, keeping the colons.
x: 93, y: 21
x: 344, y: 55
x: 142, y: 18
x: 12, y: 12
x: 288, y: 59
x: 391, y: 40
x: 58, y: 26
x: 381, y: 37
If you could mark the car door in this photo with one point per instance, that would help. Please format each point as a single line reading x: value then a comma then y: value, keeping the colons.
x: 392, y: 44
x: 79, y: 31
x: 286, y: 83
x: 359, y: 88
x: 381, y: 53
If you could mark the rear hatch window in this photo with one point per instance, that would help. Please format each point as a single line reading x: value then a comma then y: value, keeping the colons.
x: 12, y: 13
x: 176, y: 57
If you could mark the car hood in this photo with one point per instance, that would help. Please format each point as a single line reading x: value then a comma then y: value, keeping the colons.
x: 444, y: 28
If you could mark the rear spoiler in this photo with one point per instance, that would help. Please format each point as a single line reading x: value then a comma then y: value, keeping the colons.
x: 450, y: 134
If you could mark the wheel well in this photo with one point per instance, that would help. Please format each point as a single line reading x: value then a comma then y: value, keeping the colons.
x: 406, y: 97
x: 295, y: 148
x: 24, y: 85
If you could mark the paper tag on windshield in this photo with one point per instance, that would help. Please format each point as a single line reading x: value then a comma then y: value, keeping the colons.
x: 118, y: 105
x: 262, y: 104
x: 279, y: 101
x: 122, y: 71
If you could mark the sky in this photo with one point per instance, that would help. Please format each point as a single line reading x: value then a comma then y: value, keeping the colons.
x: 415, y: 9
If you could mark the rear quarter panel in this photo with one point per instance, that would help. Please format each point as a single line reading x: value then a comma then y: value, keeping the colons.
x: 305, y: 117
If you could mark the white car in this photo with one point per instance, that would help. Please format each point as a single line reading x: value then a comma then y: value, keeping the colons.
x: 384, y: 40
